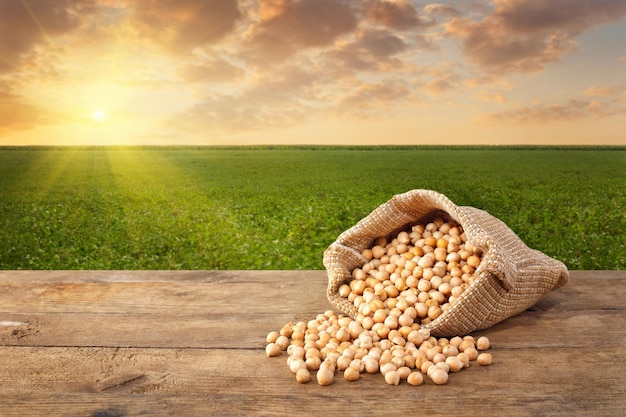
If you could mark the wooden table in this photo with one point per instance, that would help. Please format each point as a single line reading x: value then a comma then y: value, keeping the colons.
x: 191, y: 343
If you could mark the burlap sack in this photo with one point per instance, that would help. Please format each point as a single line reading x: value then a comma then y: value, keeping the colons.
x: 510, y: 278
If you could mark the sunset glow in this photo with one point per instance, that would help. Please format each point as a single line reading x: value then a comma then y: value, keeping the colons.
x: 242, y: 72
x: 99, y: 115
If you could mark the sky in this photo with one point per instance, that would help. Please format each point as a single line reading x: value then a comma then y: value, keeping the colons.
x: 328, y: 72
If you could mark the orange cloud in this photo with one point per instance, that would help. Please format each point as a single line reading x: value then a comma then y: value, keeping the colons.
x: 286, y: 27
x: 443, y: 10
x: 17, y: 113
x: 398, y: 14
x: 438, y: 86
x: 491, y: 97
x: 372, y: 50
x: 212, y: 70
x: 524, y: 36
x: 573, y: 110
x: 30, y: 22
x: 369, y: 97
x: 182, y: 25
x: 594, y: 91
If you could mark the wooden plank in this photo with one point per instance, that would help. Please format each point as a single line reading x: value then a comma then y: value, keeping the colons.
x: 223, y: 331
x: 206, y: 276
x: 226, y: 292
x: 130, y: 313
x: 290, y: 294
x: 188, y: 343
x: 527, y: 382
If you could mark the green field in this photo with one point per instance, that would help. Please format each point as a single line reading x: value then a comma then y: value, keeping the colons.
x: 280, y: 207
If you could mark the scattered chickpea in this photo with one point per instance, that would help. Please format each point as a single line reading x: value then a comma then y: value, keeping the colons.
x: 351, y: 373
x: 282, y: 342
x: 484, y: 359
x: 482, y: 343
x: 408, y: 281
x: 272, y: 349
x: 454, y: 363
x: 325, y: 376
x: 415, y: 378
x: 303, y: 376
x: 392, y: 378
x: 271, y: 337
x: 439, y: 376
x: 471, y: 353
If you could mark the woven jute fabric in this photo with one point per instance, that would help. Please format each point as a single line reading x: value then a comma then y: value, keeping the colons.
x: 511, y: 276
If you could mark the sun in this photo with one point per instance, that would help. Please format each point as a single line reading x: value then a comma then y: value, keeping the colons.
x: 99, y: 115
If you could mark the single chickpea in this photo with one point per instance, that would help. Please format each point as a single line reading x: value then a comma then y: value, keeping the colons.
x: 313, y: 363
x: 454, y: 363
x: 271, y: 337
x: 378, y: 252
x: 450, y: 350
x: 351, y: 373
x: 282, y: 342
x: 434, y: 312
x: 482, y: 343
x: 471, y: 353
x: 439, y: 376
x: 473, y: 261
x: 484, y: 359
x: 344, y: 290
x: 303, y: 376
x: 272, y: 349
x: 325, y: 376
x: 415, y: 378
x: 287, y: 330
x: 392, y: 378
x: 387, y: 367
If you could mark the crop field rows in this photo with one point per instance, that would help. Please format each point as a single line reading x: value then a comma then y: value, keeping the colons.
x: 280, y: 207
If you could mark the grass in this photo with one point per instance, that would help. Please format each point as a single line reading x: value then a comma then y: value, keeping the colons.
x: 280, y: 207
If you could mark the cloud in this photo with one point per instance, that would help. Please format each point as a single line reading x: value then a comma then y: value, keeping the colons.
x: 525, y: 36
x: 182, y: 25
x: 371, y: 50
x: 594, y: 91
x: 285, y: 27
x: 396, y: 14
x: 572, y: 110
x: 442, y: 10
x: 278, y: 98
x: 17, y: 113
x: 571, y: 16
x: 491, y: 97
x: 212, y: 70
x: 25, y: 24
x: 438, y: 86
x: 367, y: 99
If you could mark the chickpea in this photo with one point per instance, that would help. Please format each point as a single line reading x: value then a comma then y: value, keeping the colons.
x: 482, y: 343
x: 272, y: 349
x: 351, y: 373
x: 271, y: 337
x: 471, y: 353
x: 325, y: 376
x: 303, y: 376
x: 439, y: 376
x: 484, y: 359
x: 407, y: 281
x: 415, y: 378
x: 282, y: 342
x: 455, y: 364
x: 392, y: 378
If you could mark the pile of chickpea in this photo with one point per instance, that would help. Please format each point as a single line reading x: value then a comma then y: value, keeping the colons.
x: 408, y: 281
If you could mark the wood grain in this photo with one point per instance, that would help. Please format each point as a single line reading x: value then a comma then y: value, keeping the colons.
x: 190, y: 343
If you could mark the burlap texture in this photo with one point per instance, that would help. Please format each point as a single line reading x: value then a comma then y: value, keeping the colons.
x: 511, y: 276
